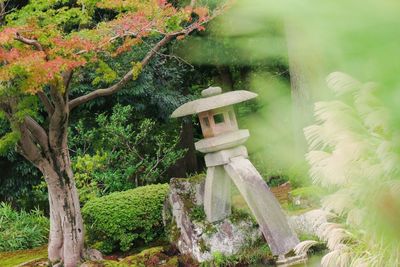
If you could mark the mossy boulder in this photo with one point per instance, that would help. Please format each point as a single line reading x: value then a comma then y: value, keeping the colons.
x: 188, y: 229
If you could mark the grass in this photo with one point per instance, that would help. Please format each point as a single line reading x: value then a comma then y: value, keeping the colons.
x: 15, y: 258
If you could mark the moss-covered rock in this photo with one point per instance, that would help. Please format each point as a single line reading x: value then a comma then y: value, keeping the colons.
x: 188, y: 229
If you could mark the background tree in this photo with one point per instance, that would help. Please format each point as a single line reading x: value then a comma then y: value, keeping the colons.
x: 39, y: 62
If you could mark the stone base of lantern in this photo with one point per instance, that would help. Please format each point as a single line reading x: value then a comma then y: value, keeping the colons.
x: 187, y: 227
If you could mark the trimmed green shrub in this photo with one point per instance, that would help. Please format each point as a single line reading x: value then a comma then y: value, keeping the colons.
x: 118, y: 220
x: 21, y: 229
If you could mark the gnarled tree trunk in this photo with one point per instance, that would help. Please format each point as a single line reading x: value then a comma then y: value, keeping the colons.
x: 66, y: 225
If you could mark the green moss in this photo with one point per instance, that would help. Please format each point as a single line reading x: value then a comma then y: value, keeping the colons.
x: 197, y: 213
x: 11, y: 259
x: 172, y: 262
x: 143, y: 256
x: 148, y: 257
x: 203, y: 246
x: 195, y: 179
x: 209, y: 228
x: 239, y: 215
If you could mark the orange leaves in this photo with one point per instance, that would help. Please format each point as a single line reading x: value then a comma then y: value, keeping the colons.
x: 71, y: 47
x: 127, y: 45
x: 131, y: 24
x: 7, y: 35
x: 162, y: 3
x: 32, y: 69
x: 202, y: 12
x: 9, y: 56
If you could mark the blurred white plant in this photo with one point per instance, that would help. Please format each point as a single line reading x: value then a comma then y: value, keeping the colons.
x: 351, y: 154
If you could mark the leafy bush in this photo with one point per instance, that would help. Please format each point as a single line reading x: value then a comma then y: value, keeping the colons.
x: 118, y: 220
x: 21, y: 230
x: 120, y: 153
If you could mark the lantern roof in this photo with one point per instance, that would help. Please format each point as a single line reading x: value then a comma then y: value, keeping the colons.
x: 212, y: 99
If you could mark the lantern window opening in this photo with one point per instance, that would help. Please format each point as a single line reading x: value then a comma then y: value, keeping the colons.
x: 206, y: 122
x: 219, y: 118
x: 231, y: 116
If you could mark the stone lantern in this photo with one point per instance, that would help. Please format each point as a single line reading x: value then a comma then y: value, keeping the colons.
x: 226, y: 161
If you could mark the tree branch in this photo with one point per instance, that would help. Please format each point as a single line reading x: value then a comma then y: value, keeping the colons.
x: 38, y: 133
x: 46, y: 102
x: 27, y: 41
x: 42, y: 96
x: 127, y: 77
x: 28, y: 148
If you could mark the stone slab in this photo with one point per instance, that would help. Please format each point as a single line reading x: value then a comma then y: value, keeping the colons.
x: 217, y: 194
x: 213, y: 102
x: 224, y: 156
x: 265, y: 207
x: 222, y: 141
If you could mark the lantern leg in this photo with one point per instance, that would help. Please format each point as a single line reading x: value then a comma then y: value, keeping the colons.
x: 265, y: 207
x: 217, y: 194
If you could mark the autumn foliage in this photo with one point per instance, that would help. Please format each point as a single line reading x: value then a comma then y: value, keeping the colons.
x: 34, y: 55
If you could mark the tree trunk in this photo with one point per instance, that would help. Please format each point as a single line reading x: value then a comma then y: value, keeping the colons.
x: 304, y: 73
x: 66, y: 225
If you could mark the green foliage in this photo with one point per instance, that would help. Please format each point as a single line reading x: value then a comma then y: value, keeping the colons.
x: 120, y: 219
x: 8, y: 141
x: 51, y: 12
x: 136, y: 70
x: 197, y: 213
x: 85, y: 168
x: 21, y: 230
x: 129, y: 153
x: 105, y: 74
x: 256, y: 253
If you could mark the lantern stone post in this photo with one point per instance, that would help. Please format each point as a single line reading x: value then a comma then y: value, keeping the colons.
x: 226, y: 159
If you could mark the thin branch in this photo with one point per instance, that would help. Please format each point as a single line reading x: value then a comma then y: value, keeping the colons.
x: 177, y: 58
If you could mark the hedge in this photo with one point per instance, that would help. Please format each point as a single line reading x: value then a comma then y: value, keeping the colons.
x: 119, y: 220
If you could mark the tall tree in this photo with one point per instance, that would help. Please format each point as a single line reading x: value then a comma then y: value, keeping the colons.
x: 38, y: 62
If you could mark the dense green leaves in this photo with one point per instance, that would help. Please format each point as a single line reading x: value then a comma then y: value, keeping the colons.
x: 123, y: 218
x: 127, y: 153
x: 21, y: 230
